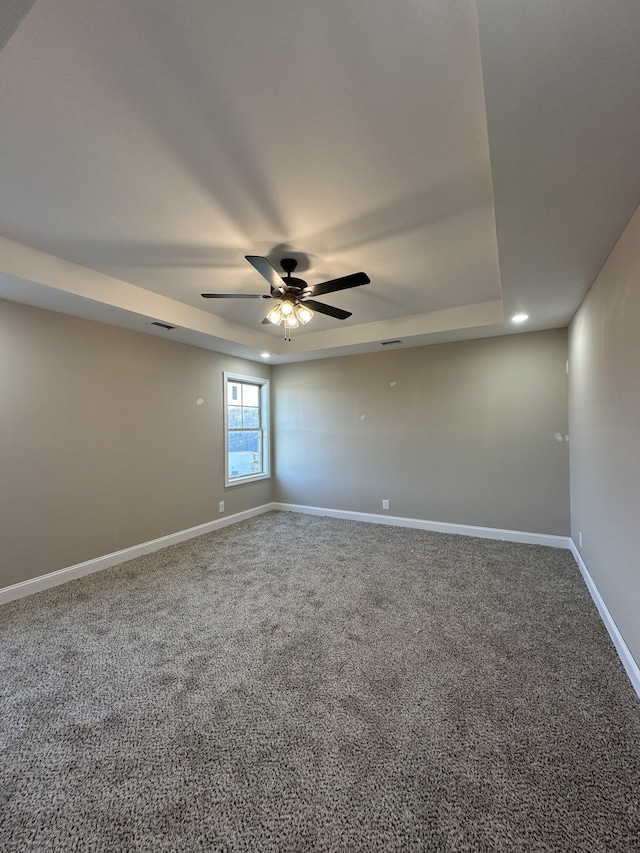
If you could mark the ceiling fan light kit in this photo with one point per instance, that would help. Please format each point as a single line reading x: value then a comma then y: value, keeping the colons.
x: 296, y: 306
x: 289, y: 313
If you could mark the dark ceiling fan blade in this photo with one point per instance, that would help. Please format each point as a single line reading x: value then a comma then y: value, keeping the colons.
x: 356, y: 279
x: 234, y: 296
x: 338, y: 313
x: 267, y: 271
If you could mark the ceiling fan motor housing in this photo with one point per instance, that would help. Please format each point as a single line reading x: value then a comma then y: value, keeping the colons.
x: 289, y: 265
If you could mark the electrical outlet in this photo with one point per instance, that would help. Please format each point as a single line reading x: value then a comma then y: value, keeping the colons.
x: 385, y: 503
x: 580, y: 538
x: 221, y: 507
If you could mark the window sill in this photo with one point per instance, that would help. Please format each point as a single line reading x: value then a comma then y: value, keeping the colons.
x: 252, y: 478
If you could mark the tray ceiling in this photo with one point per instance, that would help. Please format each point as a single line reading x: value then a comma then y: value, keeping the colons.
x: 474, y: 159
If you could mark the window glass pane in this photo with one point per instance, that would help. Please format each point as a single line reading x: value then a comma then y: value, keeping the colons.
x: 247, y: 436
x: 250, y: 417
x: 235, y: 417
x: 250, y: 395
x: 245, y: 453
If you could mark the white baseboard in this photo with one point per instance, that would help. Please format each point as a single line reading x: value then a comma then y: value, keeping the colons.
x: 628, y: 661
x: 435, y: 526
x: 28, y: 587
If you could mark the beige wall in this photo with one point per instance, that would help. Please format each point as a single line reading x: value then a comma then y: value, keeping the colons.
x: 102, y: 445
x: 604, y: 404
x: 461, y: 432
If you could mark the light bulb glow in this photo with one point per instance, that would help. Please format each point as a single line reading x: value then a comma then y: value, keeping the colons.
x: 291, y: 322
x: 286, y: 308
x: 519, y: 318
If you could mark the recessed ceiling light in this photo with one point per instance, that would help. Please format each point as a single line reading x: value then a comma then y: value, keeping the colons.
x: 265, y: 355
x: 519, y: 318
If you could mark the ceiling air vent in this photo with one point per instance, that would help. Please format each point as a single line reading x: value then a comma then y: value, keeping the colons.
x: 162, y: 325
x: 388, y: 343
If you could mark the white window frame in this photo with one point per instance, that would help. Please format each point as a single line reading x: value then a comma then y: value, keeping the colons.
x: 263, y: 384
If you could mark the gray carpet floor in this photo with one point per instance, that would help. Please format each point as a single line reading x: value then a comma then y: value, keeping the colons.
x: 297, y: 683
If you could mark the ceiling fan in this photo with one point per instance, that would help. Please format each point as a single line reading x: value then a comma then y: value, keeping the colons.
x: 295, y: 298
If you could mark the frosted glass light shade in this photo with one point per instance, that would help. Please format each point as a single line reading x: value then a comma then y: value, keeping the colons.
x: 303, y: 314
x: 275, y: 315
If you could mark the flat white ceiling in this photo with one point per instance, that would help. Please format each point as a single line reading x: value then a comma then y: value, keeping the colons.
x: 473, y: 158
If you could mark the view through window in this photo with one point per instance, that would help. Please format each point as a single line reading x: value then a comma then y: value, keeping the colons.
x: 246, y: 415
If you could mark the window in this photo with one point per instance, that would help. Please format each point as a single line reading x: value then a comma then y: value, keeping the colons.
x: 246, y: 428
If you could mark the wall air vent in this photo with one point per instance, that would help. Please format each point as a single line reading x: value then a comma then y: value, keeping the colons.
x: 162, y: 325
x: 388, y: 343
